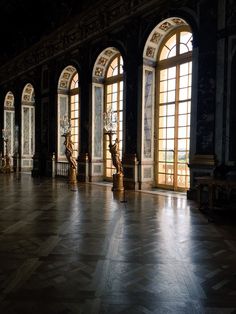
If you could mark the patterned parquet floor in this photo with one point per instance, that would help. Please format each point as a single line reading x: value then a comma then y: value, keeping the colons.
x: 86, y: 251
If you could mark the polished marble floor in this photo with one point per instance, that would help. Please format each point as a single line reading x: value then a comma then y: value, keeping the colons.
x: 88, y: 251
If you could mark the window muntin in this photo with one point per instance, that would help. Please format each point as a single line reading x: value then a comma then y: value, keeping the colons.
x: 177, y: 44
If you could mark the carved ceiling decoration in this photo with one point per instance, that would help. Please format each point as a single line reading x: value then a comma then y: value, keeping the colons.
x: 9, y: 100
x: 65, y: 78
x: 102, y: 63
x: 158, y: 34
x: 28, y: 94
x: 25, y: 22
x: 98, y: 18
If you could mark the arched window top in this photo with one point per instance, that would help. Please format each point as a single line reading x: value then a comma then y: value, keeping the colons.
x: 74, y: 82
x: 177, y: 44
x: 116, y: 67
x: 66, y: 78
x: 28, y: 94
x: 160, y: 37
x: 108, y: 64
x: 9, y: 100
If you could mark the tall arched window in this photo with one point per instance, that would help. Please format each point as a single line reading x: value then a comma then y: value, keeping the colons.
x: 68, y: 112
x: 114, y: 103
x: 167, y: 80
x: 9, y: 122
x: 174, y: 79
x: 74, y: 112
x: 107, y: 91
x: 27, y: 127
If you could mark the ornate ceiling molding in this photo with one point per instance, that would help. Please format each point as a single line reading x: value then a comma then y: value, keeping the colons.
x: 80, y: 29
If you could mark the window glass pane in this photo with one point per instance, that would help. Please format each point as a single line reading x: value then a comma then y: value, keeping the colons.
x: 185, y: 37
x: 172, y: 52
x: 115, y: 71
x: 162, y: 144
x: 171, y: 84
x: 162, y: 110
x: 188, y: 121
x: 171, y: 96
x: 114, y: 97
x: 162, y: 133
x: 170, y: 121
x: 169, y: 168
x: 189, y: 92
x: 163, y: 75
x: 171, y: 72
x: 182, y: 157
x: 170, y: 144
x: 171, y: 110
x: 182, y: 145
x: 183, y: 107
x: 171, y: 42
x: 169, y: 179
x: 109, y: 89
x: 163, y: 86
x: 170, y: 133
x: 114, y: 88
x: 161, y: 179
x: 162, y: 155
x: 182, y: 132
x: 169, y: 156
x: 162, y: 122
x: 163, y: 98
x: 164, y: 53
x: 161, y: 167
x: 183, y: 93
x: 182, y: 120
x: 183, y: 82
x: 183, y: 48
x: 184, y: 69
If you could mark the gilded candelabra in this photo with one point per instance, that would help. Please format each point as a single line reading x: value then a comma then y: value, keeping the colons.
x: 110, y: 126
x: 6, y: 160
x: 66, y: 132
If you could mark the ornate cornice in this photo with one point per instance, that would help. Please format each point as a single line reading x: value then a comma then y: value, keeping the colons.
x: 86, y: 26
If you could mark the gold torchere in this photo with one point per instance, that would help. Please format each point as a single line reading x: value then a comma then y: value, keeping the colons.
x: 72, y: 161
x: 118, y: 177
x: 6, y: 160
x: 110, y: 127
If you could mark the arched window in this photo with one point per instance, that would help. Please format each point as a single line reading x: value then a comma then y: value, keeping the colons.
x: 174, y: 79
x: 74, y: 112
x: 9, y: 123
x: 114, y: 103
x: 107, y: 101
x: 27, y: 127
x: 68, y: 110
x: 167, y: 80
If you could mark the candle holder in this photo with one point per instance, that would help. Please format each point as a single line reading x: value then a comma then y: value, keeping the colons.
x: 6, y: 160
x: 66, y: 132
x: 110, y: 128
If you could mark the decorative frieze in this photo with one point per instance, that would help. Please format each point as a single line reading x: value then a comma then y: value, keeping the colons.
x: 100, y: 17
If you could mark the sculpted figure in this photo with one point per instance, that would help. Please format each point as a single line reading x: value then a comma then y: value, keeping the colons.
x: 69, y: 150
x: 114, y: 150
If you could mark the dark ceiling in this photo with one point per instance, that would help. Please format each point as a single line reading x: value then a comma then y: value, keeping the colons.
x: 24, y: 22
